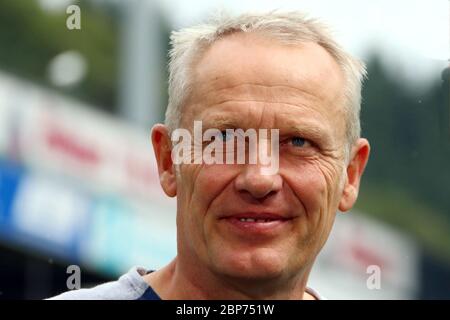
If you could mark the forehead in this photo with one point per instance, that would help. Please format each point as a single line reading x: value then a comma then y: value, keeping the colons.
x: 247, y: 67
x: 242, y: 57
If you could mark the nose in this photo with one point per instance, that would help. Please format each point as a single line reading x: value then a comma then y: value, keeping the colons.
x: 252, y: 180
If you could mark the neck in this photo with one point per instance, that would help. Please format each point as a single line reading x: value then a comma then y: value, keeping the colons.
x: 179, y: 281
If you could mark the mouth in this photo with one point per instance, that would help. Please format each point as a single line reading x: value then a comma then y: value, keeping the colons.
x: 257, y: 224
x: 256, y: 220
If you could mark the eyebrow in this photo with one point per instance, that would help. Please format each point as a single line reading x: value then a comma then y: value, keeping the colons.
x: 226, y: 122
x: 312, y: 132
x: 310, y: 129
x: 220, y: 122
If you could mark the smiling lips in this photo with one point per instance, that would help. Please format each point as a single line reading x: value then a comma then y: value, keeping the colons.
x: 257, y: 223
x: 256, y: 220
x: 257, y: 217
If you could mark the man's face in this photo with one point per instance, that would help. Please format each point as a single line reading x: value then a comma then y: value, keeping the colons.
x: 244, y: 81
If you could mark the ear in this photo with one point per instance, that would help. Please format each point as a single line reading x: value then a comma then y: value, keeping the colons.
x: 162, y: 146
x: 359, y: 156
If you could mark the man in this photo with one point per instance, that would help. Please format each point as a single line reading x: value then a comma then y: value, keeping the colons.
x: 243, y: 233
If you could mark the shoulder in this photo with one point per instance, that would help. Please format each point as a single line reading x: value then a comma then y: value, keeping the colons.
x: 130, y: 286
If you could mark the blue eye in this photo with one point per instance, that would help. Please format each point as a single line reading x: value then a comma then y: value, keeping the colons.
x: 225, y: 136
x: 298, y: 141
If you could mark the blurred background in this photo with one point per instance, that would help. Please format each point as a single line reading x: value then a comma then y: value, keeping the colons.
x: 78, y: 181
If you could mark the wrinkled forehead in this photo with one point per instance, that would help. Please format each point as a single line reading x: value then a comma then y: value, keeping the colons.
x: 250, y: 58
x: 297, y: 82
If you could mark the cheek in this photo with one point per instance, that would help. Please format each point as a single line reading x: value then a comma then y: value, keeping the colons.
x: 309, y: 186
x: 200, y: 186
x: 210, y: 182
x: 315, y: 184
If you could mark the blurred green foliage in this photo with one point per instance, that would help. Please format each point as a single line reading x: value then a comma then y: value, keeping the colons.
x: 407, y: 180
x: 30, y: 37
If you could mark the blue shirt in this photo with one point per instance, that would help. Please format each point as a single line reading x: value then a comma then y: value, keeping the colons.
x: 130, y: 286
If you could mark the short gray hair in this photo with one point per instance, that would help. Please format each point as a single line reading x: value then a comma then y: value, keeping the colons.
x: 188, y: 45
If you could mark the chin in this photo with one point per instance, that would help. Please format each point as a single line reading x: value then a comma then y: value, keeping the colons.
x: 251, y: 265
